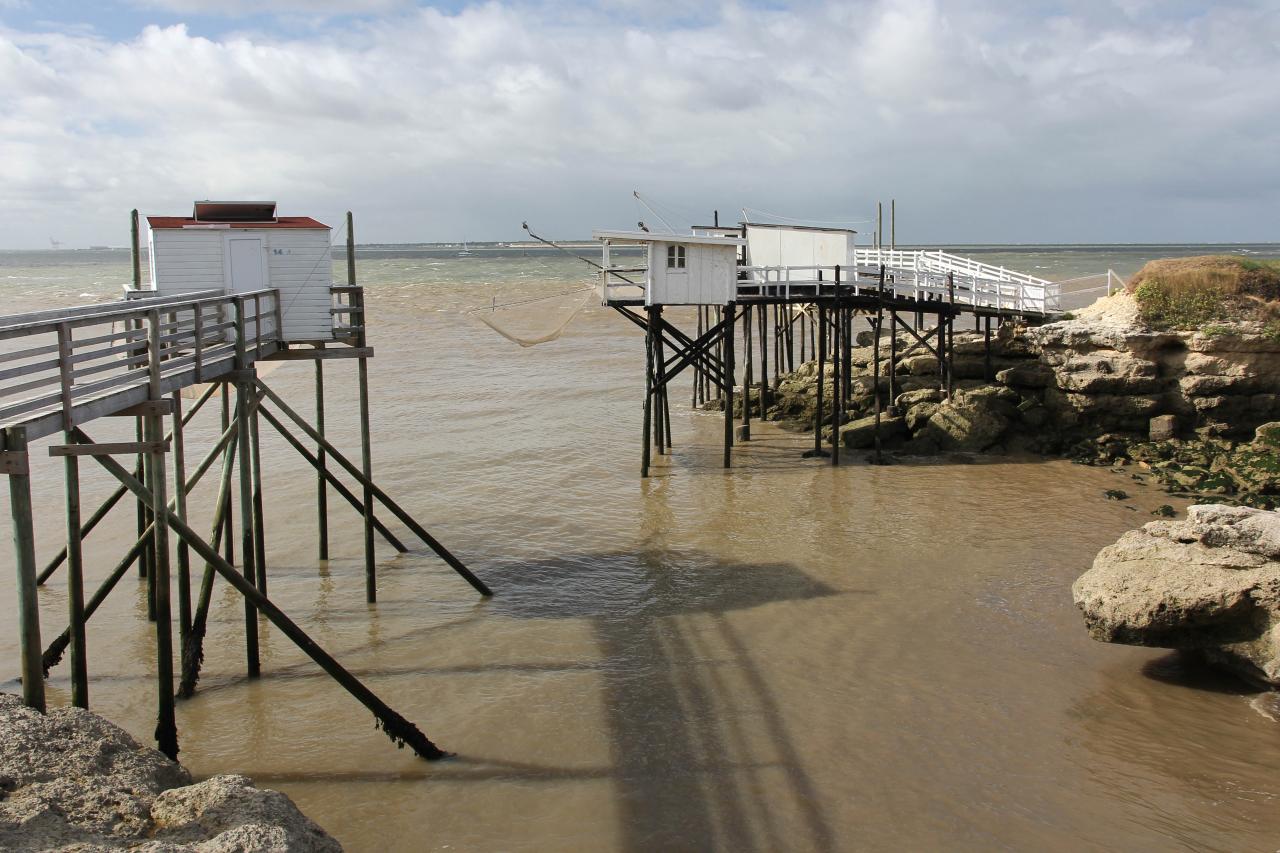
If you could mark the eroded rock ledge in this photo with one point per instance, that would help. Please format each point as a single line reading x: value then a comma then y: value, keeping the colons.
x: 1209, y: 583
x: 73, y: 780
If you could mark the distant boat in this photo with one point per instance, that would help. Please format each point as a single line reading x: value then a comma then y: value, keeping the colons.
x: 465, y: 253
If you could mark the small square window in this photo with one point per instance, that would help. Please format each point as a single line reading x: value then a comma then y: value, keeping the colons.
x: 675, y: 257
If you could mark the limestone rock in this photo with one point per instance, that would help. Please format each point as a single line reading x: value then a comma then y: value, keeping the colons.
x: 964, y: 426
x: 1032, y: 374
x: 73, y: 780
x: 1162, y: 427
x: 862, y: 432
x: 1210, y: 583
x: 1267, y: 436
x: 226, y: 813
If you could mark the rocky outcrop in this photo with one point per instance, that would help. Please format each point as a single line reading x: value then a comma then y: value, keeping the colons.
x: 71, y: 779
x: 1209, y: 584
x: 1101, y: 388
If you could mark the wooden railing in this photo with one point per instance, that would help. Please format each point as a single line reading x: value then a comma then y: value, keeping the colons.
x: 62, y: 368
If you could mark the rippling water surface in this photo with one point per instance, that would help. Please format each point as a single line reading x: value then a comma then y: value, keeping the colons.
x: 783, y: 656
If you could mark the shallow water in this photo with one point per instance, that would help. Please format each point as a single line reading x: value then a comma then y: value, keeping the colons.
x: 779, y: 656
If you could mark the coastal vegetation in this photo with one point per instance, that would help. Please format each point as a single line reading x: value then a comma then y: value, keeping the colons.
x: 1208, y: 293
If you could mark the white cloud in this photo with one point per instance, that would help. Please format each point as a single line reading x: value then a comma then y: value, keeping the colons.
x: 1110, y: 125
x: 233, y: 8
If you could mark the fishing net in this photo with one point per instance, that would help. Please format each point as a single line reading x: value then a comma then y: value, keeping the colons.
x: 1081, y: 292
x: 532, y: 320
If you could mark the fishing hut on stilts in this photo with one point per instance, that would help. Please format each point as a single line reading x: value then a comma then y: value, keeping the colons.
x: 789, y: 288
x: 231, y: 287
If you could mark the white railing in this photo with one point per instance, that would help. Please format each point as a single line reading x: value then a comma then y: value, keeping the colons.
x: 913, y: 277
x: 919, y: 275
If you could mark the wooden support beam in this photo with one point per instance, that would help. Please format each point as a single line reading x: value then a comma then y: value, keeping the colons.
x: 29, y: 647
x: 395, y: 726
x: 75, y: 588
x: 166, y: 723
x: 729, y: 312
x: 117, y: 448
x: 647, y: 413
x: 322, y: 489
x: 332, y: 479
x: 309, y: 354
x: 376, y: 491
x: 145, y: 408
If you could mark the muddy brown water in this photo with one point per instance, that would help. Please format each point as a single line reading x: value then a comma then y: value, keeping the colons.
x: 783, y: 656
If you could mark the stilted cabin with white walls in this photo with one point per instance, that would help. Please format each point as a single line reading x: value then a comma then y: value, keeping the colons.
x: 243, y: 246
x: 799, y: 246
x: 682, y: 269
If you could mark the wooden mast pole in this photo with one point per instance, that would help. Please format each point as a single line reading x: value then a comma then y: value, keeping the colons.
x: 366, y: 447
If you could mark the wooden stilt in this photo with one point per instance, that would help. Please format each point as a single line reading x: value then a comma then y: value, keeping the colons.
x: 875, y: 373
x: 893, y: 362
x: 115, y: 498
x: 333, y: 481
x: 659, y: 388
x: 745, y: 432
x: 820, y: 345
x: 987, y: 372
x: 764, y: 359
x: 371, y: 487
x: 166, y: 724
x: 29, y: 648
x: 75, y: 587
x: 647, y: 428
x: 244, y: 399
x: 228, y: 549
x: 322, y: 488
x: 698, y: 370
x: 180, y: 507
x: 193, y: 655
x: 727, y: 346
x: 396, y: 727
x: 366, y: 440
x: 259, y: 524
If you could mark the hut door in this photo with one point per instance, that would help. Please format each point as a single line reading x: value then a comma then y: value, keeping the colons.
x: 246, y: 264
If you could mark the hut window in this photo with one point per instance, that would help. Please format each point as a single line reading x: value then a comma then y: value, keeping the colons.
x: 675, y: 257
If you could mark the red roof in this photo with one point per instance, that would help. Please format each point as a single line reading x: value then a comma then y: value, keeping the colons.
x: 192, y: 222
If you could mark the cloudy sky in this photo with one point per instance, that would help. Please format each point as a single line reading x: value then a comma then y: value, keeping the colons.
x: 988, y: 121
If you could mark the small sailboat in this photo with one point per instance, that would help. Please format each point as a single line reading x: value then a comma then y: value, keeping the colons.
x: 465, y: 253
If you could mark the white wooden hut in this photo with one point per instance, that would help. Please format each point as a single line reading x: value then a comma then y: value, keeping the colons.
x: 799, y: 246
x: 684, y: 269
x: 242, y: 246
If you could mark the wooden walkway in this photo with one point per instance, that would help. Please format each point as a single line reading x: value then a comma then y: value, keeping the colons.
x: 63, y: 369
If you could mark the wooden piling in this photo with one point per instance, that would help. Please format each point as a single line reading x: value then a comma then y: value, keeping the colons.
x: 180, y: 506
x: 893, y: 362
x: 373, y: 490
x: 29, y: 647
x: 820, y: 342
x: 259, y: 524
x: 75, y: 586
x: 987, y: 372
x: 659, y: 382
x: 728, y: 315
x: 647, y: 427
x: 745, y: 432
x: 764, y: 359
x: 395, y: 726
x: 322, y: 488
x: 166, y: 725
x: 244, y: 399
x: 366, y: 440
x: 229, y: 534
x: 875, y: 373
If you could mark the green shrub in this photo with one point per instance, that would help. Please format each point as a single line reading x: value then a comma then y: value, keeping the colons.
x: 1189, y: 306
